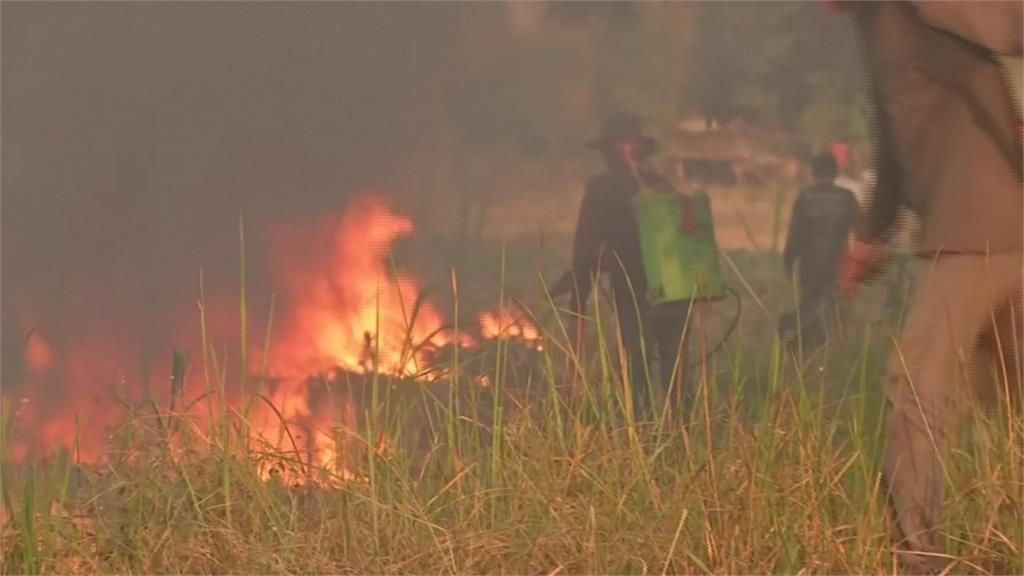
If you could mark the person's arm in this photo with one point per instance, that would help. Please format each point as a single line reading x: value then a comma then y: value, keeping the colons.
x: 578, y: 280
x: 884, y: 196
x: 853, y: 211
x: 794, y: 236
x: 995, y: 26
x: 868, y: 253
x: 878, y: 219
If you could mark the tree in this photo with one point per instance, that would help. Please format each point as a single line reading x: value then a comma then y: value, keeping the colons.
x: 786, y: 66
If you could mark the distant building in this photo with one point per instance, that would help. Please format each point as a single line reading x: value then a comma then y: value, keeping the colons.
x: 728, y: 156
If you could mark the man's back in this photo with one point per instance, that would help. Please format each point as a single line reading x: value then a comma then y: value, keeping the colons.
x: 606, y: 233
x: 823, y: 216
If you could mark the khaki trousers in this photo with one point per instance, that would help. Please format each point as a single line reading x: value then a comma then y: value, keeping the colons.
x: 961, y: 302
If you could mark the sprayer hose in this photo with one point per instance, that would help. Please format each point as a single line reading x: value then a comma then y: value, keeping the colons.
x: 728, y: 331
x: 733, y: 323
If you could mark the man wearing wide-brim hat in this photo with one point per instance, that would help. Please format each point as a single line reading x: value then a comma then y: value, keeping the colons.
x: 624, y: 129
x: 607, y: 242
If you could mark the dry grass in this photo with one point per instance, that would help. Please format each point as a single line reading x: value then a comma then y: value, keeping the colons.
x: 539, y: 473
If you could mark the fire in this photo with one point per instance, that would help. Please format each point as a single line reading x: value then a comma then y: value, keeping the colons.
x: 38, y: 353
x: 346, y: 310
x: 343, y: 313
x: 510, y: 322
x: 315, y: 433
x: 55, y: 383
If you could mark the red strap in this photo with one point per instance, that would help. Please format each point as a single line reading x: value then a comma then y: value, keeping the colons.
x: 686, y: 209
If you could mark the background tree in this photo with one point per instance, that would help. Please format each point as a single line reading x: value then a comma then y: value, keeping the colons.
x: 782, y: 66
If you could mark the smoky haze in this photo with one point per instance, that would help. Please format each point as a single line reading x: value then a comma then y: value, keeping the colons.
x: 144, y: 124
x: 135, y: 134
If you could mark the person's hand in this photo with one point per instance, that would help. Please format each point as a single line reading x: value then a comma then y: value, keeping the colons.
x: 859, y: 264
x: 566, y: 286
x: 563, y: 285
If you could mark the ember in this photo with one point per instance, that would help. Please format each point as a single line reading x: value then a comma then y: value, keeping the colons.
x: 510, y: 322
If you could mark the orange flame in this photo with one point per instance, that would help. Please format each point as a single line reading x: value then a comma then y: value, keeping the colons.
x: 346, y: 310
x: 38, y: 353
x: 342, y: 310
x: 88, y: 376
x: 512, y: 323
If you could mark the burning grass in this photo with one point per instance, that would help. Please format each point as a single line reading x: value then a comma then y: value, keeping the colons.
x: 516, y: 455
x: 548, y: 479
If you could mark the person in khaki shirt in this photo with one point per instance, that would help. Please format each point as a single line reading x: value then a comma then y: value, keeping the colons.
x: 947, y: 145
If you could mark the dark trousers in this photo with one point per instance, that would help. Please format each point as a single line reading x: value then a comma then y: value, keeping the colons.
x: 656, y: 333
x: 806, y: 326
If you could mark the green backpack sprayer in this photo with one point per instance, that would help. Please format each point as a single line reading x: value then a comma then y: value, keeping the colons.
x: 679, y: 253
x: 679, y: 250
x: 677, y: 241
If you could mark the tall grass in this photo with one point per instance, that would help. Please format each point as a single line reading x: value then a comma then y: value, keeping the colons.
x: 543, y: 471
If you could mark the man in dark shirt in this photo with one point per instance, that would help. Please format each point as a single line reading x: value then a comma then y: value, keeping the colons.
x: 819, y: 228
x: 607, y: 242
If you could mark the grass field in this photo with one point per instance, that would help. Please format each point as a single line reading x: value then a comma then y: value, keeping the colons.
x: 539, y: 472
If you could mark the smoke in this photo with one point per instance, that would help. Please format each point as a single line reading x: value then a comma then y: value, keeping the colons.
x: 135, y: 134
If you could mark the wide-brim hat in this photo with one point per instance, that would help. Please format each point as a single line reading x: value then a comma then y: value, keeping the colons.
x: 624, y: 127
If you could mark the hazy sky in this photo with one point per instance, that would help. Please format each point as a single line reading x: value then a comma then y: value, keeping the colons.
x: 134, y: 133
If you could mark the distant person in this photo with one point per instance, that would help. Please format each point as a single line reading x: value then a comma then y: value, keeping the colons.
x: 819, y: 228
x: 607, y: 242
x: 948, y: 150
